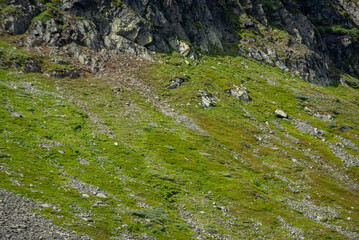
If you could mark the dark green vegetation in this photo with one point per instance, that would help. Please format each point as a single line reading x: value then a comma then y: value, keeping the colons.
x: 80, y: 145
x: 337, y: 29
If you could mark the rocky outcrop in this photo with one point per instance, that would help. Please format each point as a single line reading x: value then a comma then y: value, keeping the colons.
x: 324, y: 28
x: 318, y: 35
x: 352, y: 8
x: 17, y: 16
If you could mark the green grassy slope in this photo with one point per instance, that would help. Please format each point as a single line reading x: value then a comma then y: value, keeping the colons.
x: 113, y: 163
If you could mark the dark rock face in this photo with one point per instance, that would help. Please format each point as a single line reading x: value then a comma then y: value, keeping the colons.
x: 322, y: 34
x: 18, y: 18
x: 31, y: 66
x: 200, y: 22
x: 62, y: 73
x: 313, y: 23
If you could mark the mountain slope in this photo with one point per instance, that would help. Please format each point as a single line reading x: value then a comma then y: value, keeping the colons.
x: 114, y: 146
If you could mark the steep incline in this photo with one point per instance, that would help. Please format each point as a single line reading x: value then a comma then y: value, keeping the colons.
x: 109, y: 131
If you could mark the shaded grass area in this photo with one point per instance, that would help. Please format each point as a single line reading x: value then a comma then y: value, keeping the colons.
x: 161, y: 178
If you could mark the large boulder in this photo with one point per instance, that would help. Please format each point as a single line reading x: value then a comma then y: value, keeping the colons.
x: 183, y: 48
x: 176, y: 82
x: 240, y: 93
x: 132, y: 27
x: 208, y: 100
x: 280, y: 113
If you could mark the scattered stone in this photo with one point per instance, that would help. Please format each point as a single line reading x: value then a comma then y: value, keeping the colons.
x: 87, y: 219
x: 293, y: 232
x: 83, y: 161
x: 208, y: 100
x: 16, y: 115
x: 271, y: 82
x: 170, y: 148
x: 307, y: 109
x: 19, y: 221
x: 99, y: 204
x: 348, y: 158
x: 176, y: 82
x: 345, y: 128
x: 62, y: 73
x: 59, y: 61
x: 323, y: 117
x: 304, y: 127
x: 319, y: 214
x: 276, y: 122
x: 348, y: 143
x: 101, y: 195
x: 280, y: 114
x: 206, y: 154
x: 240, y: 93
x: 117, y: 90
x: 85, y: 188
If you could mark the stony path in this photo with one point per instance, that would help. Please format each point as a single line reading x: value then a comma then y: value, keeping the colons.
x: 18, y: 221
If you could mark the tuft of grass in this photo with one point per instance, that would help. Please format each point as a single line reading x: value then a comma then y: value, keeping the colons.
x: 157, y: 215
x: 338, y: 29
x: 43, y: 17
x: 117, y: 3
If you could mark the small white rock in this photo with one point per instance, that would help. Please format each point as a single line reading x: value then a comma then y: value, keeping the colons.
x: 281, y: 114
x: 101, y: 195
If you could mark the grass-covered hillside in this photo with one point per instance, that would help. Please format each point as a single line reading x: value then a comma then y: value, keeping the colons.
x: 117, y: 155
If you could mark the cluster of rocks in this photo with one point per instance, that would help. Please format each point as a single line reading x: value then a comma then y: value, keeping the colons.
x: 85, y: 189
x: 25, y: 64
x: 338, y: 148
x: 176, y: 82
x: 33, y: 65
x: 208, y: 99
x: 348, y: 158
x: 295, y: 233
x: 304, y: 127
x: 62, y: 73
x: 240, y: 93
x: 321, y: 215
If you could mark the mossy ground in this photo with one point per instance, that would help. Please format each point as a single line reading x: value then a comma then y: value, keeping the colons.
x: 161, y: 177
